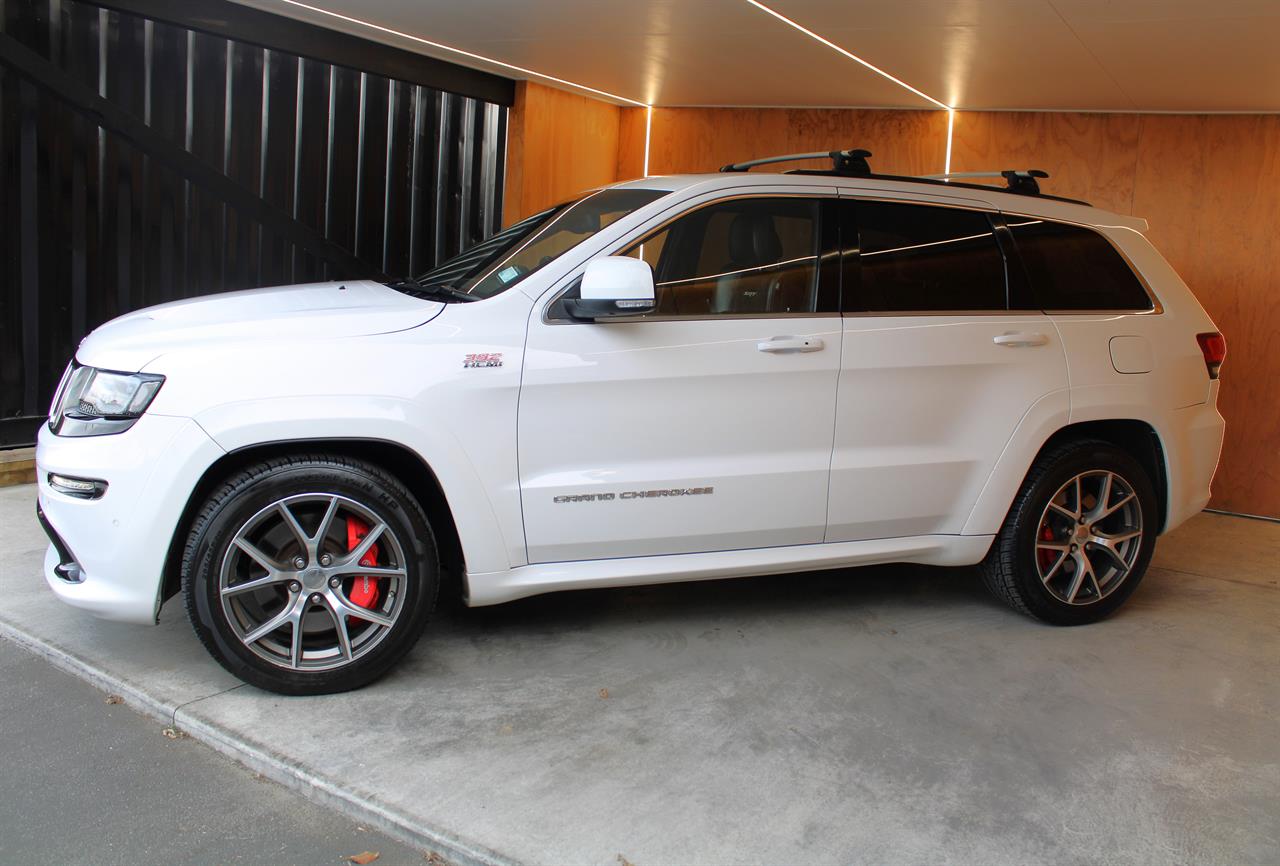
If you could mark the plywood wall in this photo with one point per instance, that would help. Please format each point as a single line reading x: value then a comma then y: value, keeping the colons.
x: 1090, y: 156
x: 686, y: 140
x: 1208, y: 185
x: 558, y: 144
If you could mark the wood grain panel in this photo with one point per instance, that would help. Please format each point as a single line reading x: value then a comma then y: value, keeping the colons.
x: 703, y: 139
x: 1210, y: 188
x: 1088, y: 156
x: 559, y: 144
x: 631, y: 123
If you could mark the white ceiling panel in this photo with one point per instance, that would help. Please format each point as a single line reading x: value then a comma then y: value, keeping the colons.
x: 1103, y: 55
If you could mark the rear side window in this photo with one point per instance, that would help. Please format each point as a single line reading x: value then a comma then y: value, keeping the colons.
x: 1074, y: 268
x: 922, y: 258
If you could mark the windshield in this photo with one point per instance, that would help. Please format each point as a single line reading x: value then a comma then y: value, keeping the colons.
x: 495, y: 265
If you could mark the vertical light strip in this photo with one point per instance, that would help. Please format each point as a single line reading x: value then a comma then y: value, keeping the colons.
x: 648, y: 128
x: 470, y: 54
x: 827, y: 42
x: 951, y: 123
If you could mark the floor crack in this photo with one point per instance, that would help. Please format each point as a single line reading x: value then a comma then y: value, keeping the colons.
x: 173, y: 719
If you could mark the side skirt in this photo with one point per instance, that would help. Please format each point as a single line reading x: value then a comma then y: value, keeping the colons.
x: 496, y: 587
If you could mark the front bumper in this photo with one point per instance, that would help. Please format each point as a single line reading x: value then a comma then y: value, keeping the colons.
x: 120, y: 541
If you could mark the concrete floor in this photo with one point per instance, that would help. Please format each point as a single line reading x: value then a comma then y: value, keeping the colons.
x: 87, y: 782
x: 890, y: 715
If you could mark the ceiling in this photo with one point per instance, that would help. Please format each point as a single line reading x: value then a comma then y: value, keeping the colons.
x: 1097, y: 55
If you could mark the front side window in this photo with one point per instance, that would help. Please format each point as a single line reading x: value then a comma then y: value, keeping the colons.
x: 495, y: 265
x: 920, y: 258
x: 1075, y: 268
x: 753, y: 256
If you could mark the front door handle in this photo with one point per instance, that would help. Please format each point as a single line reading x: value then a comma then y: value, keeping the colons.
x: 787, y: 345
x: 1015, y: 341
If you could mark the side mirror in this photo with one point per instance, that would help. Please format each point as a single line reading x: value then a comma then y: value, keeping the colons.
x: 613, y: 286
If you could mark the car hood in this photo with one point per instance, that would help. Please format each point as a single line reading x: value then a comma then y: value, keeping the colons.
x: 311, y: 311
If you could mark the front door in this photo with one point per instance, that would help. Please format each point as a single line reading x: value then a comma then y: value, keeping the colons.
x: 706, y: 425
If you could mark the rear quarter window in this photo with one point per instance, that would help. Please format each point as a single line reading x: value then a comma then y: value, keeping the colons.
x: 1075, y: 268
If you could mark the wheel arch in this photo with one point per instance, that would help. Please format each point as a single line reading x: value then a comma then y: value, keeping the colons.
x: 402, y: 462
x: 1137, y: 438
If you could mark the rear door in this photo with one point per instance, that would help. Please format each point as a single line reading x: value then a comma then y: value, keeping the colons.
x: 706, y: 425
x: 936, y: 371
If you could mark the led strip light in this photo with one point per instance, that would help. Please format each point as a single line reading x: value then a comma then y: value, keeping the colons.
x: 827, y: 42
x: 648, y: 129
x: 470, y: 54
x: 951, y: 112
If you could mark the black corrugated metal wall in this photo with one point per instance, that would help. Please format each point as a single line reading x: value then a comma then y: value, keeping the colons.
x: 93, y: 224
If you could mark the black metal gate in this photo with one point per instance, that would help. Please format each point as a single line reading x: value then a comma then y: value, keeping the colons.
x: 143, y: 160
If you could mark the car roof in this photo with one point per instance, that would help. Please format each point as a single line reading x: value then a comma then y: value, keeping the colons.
x: 908, y: 189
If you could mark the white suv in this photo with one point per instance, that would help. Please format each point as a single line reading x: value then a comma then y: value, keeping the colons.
x: 677, y: 378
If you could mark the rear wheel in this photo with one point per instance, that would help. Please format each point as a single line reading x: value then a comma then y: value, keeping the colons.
x: 310, y: 575
x: 1079, y: 536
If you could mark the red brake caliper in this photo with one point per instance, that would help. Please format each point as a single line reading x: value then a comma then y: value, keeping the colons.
x: 364, y: 592
x: 1047, y: 557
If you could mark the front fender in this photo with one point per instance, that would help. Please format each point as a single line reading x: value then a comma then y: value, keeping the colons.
x: 485, y: 508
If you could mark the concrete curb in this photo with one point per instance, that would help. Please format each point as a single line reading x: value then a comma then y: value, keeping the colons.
x: 63, y: 660
x: 362, y: 809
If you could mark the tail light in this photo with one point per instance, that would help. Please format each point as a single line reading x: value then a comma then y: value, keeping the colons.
x: 1214, y: 347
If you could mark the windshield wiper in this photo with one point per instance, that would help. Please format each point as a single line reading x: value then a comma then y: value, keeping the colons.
x: 434, y: 291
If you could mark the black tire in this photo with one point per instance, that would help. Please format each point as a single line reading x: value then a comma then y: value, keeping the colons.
x: 1011, y: 569
x: 249, y: 493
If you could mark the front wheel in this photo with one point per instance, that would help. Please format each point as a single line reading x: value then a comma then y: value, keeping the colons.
x: 311, y: 574
x: 1078, y: 537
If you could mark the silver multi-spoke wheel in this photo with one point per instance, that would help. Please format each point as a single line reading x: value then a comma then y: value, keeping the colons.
x: 1088, y: 538
x: 313, y: 582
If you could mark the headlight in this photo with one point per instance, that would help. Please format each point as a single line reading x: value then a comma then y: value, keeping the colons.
x: 93, y: 402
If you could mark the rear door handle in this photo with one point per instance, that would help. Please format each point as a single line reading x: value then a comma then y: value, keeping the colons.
x: 787, y: 345
x: 1015, y: 341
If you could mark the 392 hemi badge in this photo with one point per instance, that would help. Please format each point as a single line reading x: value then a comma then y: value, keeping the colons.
x: 482, y: 359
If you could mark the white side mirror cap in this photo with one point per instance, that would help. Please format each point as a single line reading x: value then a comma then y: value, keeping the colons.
x: 617, y: 278
x: 613, y: 286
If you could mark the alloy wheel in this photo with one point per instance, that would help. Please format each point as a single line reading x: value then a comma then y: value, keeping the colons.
x: 1089, y: 537
x: 313, y: 582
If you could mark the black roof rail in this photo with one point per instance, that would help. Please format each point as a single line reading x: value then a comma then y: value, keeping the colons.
x: 853, y: 163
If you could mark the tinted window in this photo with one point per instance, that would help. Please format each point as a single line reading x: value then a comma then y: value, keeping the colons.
x: 747, y: 256
x: 1073, y: 268
x: 922, y: 258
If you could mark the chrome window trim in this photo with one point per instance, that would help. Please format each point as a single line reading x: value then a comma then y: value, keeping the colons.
x: 1155, y: 311
x: 632, y: 320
